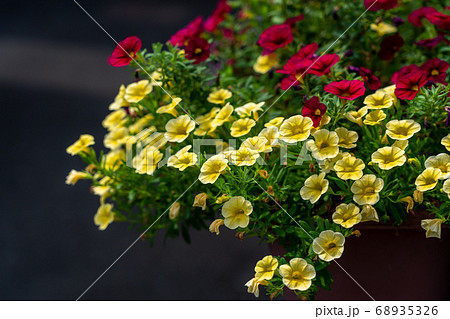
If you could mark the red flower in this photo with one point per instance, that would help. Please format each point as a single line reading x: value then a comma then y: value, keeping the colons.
x: 314, y: 110
x: 289, y: 82
x: 197, y: 49
x: 296, y: 68
x: 292, y: 21
x: 431, y: 43
x: 193, y: 30
x: 390, y: 46
x: 436, y: 70
x: 218, y: 16
x: 439, y: 19
x: 306, y: 52
x: 275, y: 37
x: 322, y: 65
x: 404, y: 71
x: 409, y: 85
x: 345, y: 89
x: 375, y: 5
x: 125, y: 51
x: 415, y: 18
x: 371, y: 80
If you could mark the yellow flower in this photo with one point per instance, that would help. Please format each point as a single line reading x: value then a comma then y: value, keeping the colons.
x: 347, y: 139
x: 82, y: 145
x: 241, y: 127
x: 177, y: 130
x: 104, y: 216
x: 440, y: 161
x: 147, y: 161
x: 265, y: 268
x: 116, y: 138
x: 324, y: 145
x: 219, y: 96
x: 446, y: 189
x: 276, y: 122
x: 375, y: 117
x: 298, y: 274
x: 119, y: 100
x: 378, y: 100
x: 327, y: 165
x: 432, y: 227
x: 383, y: 28
x: 356, y: 116
x: 366, y: 190
x: 114, y: 158
x: 402, y: 130
x: 135, y: 92
x: 418, y: 196
x: 74, y: 176
x: 253, y: 286
x: 329, y: 245
x: 265, y: 62
x: 170, y: 108
x: 389, y: 90
x: 212, y: 168
x: 114, y: 119
x: 205, y: 128
x: 347, y: 215
x: 140, y: 124
x: 156, y: 139
x: 209, y: 116
x: 236, y: 212
x: 403, y: 144
x: 214, y: 227
x: 389, y: 157
x: 257, y: 143
x: 223, y: 115
x: 249, y: 108
x: 174, y: 210
x: 103, y: 190
x: 314, y: 187
x: 349, y: 167
x: 446, y: 142
x: 296, y: 129
x: 369, y: 213
x: 200, y: 200
x: 244, y: 156
x: 182, y: 159
x: 428, y: 179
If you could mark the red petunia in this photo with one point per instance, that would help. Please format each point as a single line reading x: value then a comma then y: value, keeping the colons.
x: 404, y: 71
x: 296, y: 69
x: 390, y: 46
x: 275, y: 37
x: 289, y: 82
x: 439, y: 19
x: 125, y: 51
x: 375, y: 5
x: 409, y: 85
x: 431, y: 43
x: 306, y: 52
x: 193, y: 30
x: 293, y: 20
x: 314, y: 110
x: 436, y: 70
x: 197, y: 49
x: 322, y: 65
x: 345, y: 89
x: 415, y: 17
x: 218, y: 16
x: 373, y: 83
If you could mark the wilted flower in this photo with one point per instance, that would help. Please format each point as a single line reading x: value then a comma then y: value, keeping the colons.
x: 214, y: 227
x: 369, y: 213
x: 174, y: 210
x: 432, y: 227
x: 418, y: 196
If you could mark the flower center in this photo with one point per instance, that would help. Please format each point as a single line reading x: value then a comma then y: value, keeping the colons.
x: 435, y: 72
x: 415, y: 88
x: 331, y: 245
x: 370, y: 190
x: 345, y: 94
x: 198, y: 51
x: 297, y: 275
x: 317, y: 112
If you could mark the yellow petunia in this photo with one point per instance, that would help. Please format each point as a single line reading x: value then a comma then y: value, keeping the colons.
x: 114, y: 119
x: 389, y: 90
x: 347, y: 139
x: 276, y: 122
x: 265, y: 63
x: 356, y: 116
x: 432, y: 227
x: 329, y: 245
x: 81, y: 145
x: 323, y: 121
x: 244, y: 156
x: 135, y: 92
x: 446, y: 142
x: 241, y: 127
x: 297, y: 275
x: 369, y: 213
x: 383, y: 28
x: 314, y: 187
x: 147, y: 161
x: 324, y: 145
x: 271, y: 134
x: 389, y: 157
x: 296, y: 129
x: 349, y: 167
x: 103, y: 189
x: 119, y: 100
x: 236, y: 212
x: 219, y: 96
x: 74, y: 176
x: 265, y: 268
x: 116, y: 138
x: 214, y: 227
x: 257, y: 143
x: 212, y: 169
x: 104, y: 216
x: 375, y: 118
x: 347, y: 215
x: 170, y: 108
x: 223, y: 115
x: 378, y: 100
x: 177, y: 130
x: 440, y: 161
x: 249, y: 109
x: 402, y: 144
x: 182, y: 159
x: 208, y: 116
x: 253, y: 286
x: 402, y: 130
x: 200, y: 200
x: 142, y: 123
x: 428, y: 179
x: 366, y: 190
x: 114, y: 159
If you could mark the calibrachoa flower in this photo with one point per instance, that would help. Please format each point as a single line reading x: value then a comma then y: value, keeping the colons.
x: 236, y: 212
x: 315, y: 186
x: 375, y: 5
x: 249, y: 108
x: 135, y: 92
x: 119, y: 100
x: 265, y: 268
x: 265, y: 63
x: 347, y: 139
x: 436, y: 70
x: 298, y: 274
x: 428, y: 179
x: 147, y: 161
x: 402, y: 130
x: 373, y: 82
x: 81, y: 145
x: 440, y: 161
x: 446, y: 142
x: 407, y: 86
x: 170, y: 108
x: 223, y: 115
x: 257, y: 143
x: 244, y: 156
x: 383, y: 28
x: 74, y: 176
x: 271, y: 134
x: 218, y: 16
x: 295, y: 129
x: 367, y: 190
x: 322, y: 65
x: 379, y: 100
x: 197, y: 50
x: 275, y: 37
x: 432, y: 227
x: 212, y: 169
x: 374, y: 118
x: 125, y: 51
x: 177, y: 130
x: 345, y: 89
x: 329, y: 245
x: 349, y: 167
x: 314, y: 110
x: 116, y: 138
x: 324, y: 145
x: 390, y: 46
x: 275, y: 122
x: 347, y: 215
x: 357, y: 116
x: 104, y: 216
x: 241, y: 127
x: 369, y: 213
x: 192, y: 30
x: 182, y: 159
x: 253, y: 286
x: 219, y: 96
x: 389, y: 157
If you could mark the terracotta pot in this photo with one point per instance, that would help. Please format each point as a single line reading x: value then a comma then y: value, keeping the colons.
x: 390, y: 263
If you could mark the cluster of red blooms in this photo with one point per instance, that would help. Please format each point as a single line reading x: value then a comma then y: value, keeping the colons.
x: 442, y: 21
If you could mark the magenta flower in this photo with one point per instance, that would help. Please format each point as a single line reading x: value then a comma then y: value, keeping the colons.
x: 125, y: 51
x: 345, y: 89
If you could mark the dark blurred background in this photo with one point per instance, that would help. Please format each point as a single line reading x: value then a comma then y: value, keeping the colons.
x: 55, y: 84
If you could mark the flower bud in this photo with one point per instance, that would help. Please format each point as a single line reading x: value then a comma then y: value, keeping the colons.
x: 174, y: 210
x: 222, y: 199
